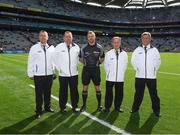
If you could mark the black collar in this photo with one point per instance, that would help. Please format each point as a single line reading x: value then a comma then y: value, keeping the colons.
x: 92, y: 45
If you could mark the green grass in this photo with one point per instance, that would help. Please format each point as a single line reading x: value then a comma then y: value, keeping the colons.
x: 17, y: 103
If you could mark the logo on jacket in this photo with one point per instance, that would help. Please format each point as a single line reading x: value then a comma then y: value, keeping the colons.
x: 96, y: 52
x: 39, y: 51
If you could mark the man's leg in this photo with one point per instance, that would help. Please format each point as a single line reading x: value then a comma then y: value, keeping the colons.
x: 96, y: 78
x: 152, y: 87
x: 63, y: 92
x: 85, y: 82
x: 139, y: 93
x: 73, y: 83
x: 38, y: 81
x: 108, y: 95
x: 47, y: 93
x: 119, y: 92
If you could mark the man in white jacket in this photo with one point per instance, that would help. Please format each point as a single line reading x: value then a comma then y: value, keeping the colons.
x: 40, y: 69
x: 146, y: 61
x: 115, y: 65
x: 66, y: 60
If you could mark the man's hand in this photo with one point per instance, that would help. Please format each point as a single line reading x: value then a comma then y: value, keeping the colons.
x: 54, y: 76
x: 32, y: 78
x: 101, y: 60
x: 81, y: 60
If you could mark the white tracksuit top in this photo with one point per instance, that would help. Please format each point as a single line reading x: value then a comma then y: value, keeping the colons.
x: 115, y: 67
x: 40, y: 63
x: 146, y: 63
x: 66, y: 61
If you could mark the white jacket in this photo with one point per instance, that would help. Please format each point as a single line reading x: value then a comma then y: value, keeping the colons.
x: 40, y: 63
x: 67, y: 61
x: 115, y: 67
x: 146, y: 64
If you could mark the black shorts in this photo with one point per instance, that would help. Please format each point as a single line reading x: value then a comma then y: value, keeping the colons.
x: 91, y: 73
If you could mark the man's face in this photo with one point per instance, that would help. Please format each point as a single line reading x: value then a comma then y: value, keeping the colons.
x: 146, y: 39
x: 91, y: 38
x: 68, y: 38
x: 116, y: 43
x: 43, y: 37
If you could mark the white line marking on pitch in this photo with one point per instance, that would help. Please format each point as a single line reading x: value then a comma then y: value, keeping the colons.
x: 168, y: 73
x: 161, y: 72
x: 106, y: 124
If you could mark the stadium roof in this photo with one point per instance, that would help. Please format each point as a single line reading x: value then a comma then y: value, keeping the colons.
x: 131, y: 3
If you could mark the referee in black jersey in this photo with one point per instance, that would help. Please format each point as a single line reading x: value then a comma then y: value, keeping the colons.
x: 91, y: 55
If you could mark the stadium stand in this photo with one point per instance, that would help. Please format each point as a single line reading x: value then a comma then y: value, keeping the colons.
x: 21, y: 20
x: 25, y: 39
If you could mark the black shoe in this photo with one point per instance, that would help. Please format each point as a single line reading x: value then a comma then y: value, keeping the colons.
x: 76, y: 110
x: 134, y: 111
x: 119, y: 110
x: 105, y: 110
x: 83, y: 108
x: 158, y: 114
x: 37, y: 116
x: 63, y: 111
x: 99, y: 109
x: 50, y: 110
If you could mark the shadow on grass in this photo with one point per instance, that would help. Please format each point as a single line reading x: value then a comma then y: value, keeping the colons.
x: 42, y: 126
x: 133, y: 125
x: 97, y: 128
x: 70, y: 128
x: 49, y: 124
x: 16, y: 128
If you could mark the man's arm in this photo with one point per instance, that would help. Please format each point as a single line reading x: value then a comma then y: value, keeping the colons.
x: 126, y: 61
x: 106, y: 65
x: 81, y: 56
x: 157, y: 60
x: 134, y: 60
x: 102, y: 55
x: 30, y: 68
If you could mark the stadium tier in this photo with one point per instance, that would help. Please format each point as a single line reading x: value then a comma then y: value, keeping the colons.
x: 23, y: 40
x: 23, y: 19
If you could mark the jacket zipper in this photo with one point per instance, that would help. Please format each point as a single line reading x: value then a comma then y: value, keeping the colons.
x: 69, y: 61
x: 116, y: 66
x: 145, y: 63
x: 36, y: 68
x: 108, y: 74
x: 45, y: 62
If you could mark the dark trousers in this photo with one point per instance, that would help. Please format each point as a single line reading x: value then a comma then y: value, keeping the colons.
x: 63, y: 91
x: 119, y: 86
x: 43, y: 91
x: 139, y: 93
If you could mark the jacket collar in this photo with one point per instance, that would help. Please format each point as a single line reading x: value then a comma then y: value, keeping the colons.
x: 119, y: 50
x: 148, y: 46
x: 95, y: 44
x: 71, y: 45
x: 41, y: 45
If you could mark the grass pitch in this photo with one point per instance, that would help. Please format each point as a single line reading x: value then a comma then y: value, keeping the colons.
x: 17, y: 103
